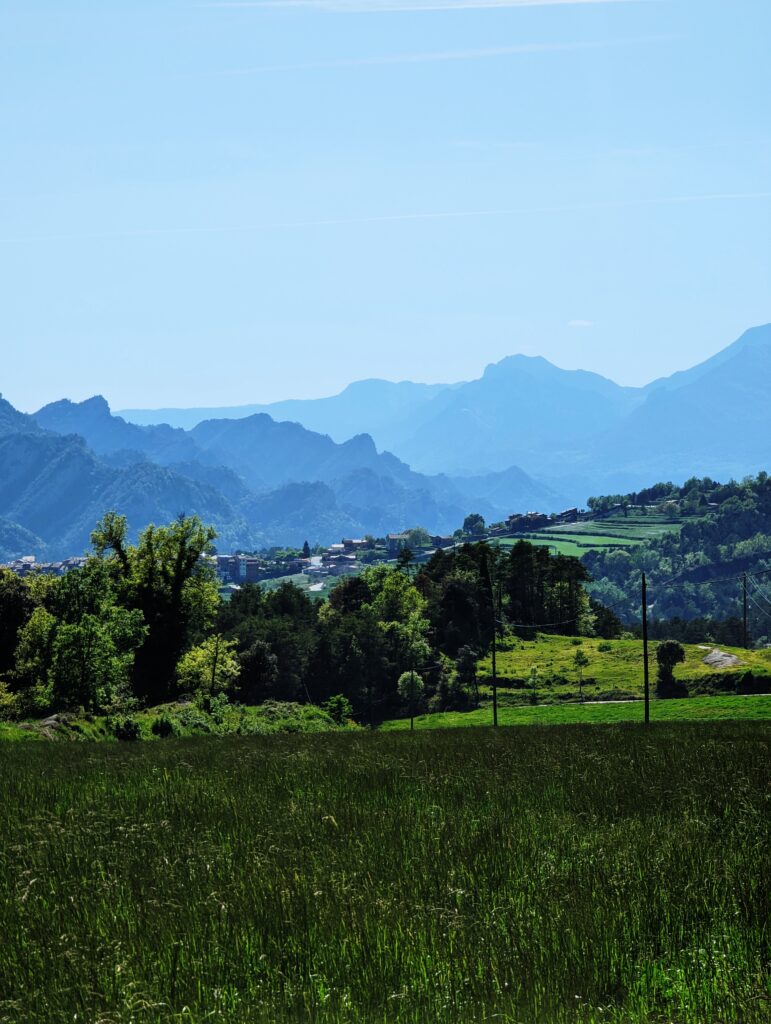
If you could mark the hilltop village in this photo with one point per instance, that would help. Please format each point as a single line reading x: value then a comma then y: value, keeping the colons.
x: 347, y: 557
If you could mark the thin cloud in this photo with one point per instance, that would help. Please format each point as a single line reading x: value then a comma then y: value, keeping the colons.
x: 582, y: 324
x: 390, y: 218
x: 402, y: 6
x: 442, y: 55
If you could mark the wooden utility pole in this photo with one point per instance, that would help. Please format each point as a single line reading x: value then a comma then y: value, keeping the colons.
x: 496, y: 616
x: 495, y: 676
x: 745, y: 630
x: 645, y: 648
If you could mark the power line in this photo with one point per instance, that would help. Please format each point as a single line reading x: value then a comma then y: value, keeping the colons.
x: 758, y: 590
x: 707, y: 583
x: 765, y: 603
x: 763, y: 611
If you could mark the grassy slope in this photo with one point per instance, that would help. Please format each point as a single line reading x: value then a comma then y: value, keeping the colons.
x: 10, y: 732
x: 618, y: 668
x: 692, y: 709
x: 304, y: 583
x: 569, y: 876
x: 600, y: 534
x: 187, y: 720
x: 558, y: 545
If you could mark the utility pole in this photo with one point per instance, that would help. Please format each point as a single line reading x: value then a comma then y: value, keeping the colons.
x: 645, y: 648
x: 745, y: 631
x: 496, y: 615
x: 495, y: 676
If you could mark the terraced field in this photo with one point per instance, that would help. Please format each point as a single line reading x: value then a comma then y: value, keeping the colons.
x: 600, y: 534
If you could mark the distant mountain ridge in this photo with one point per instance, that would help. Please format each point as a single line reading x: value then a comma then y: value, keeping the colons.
x: 108, y: 434
x: 526, y: 435
x: 364, y: 407
x: 719, y: 412
x: 258, y: 482
x: 572, y: 430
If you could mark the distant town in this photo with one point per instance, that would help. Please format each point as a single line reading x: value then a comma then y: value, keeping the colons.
x: 321, y: 565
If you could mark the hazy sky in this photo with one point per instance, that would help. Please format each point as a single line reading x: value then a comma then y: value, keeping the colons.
x: 219, y: 203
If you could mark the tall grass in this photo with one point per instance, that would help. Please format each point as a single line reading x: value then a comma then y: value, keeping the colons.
x: 602, y: 713
x: 526, y: 875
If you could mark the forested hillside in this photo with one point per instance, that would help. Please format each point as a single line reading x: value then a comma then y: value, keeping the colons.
x: 726, y: 532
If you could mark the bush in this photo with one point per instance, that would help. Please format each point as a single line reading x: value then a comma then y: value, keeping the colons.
x: 193, y: 719
x: 338, y: 708
x: 604, y: 647
x: 128, y: 730
x: 752, y: 684
x: 165, y: 726
x: 218, y: 706
x: 668, y: 654
x: 215, y: 705
x: 9, y: 704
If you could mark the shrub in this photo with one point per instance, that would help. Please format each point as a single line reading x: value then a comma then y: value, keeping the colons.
x: 193, y: 719
x: 338, y: 708
x: 165, y: 726
x: 9, y: 705
x: 128, y: 730
x: 218, y: 706
x: 752, y: 684
x: 668, y: 654
x: 215, y: 705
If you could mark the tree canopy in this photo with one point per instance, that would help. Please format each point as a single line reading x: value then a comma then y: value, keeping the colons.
x: 144, y: 623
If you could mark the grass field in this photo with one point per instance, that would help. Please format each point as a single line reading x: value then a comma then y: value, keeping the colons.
x: 615, y: 666
x: 605, y: 713
x: 308, y: 584
x: 615, y: 531
x: 524, y: 876
x: 558, y: 545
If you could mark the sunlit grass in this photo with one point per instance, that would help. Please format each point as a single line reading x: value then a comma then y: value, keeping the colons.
x: 619, y: 531
x: 613, y: 664
x: 692, y: 709
x: 527, y: 876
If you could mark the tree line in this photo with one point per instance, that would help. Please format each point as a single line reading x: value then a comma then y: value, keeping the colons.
x: 143, y: 624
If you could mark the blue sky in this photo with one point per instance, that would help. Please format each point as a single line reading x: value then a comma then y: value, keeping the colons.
x: 206, y: 203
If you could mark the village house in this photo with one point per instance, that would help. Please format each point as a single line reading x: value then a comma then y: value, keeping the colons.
x: 395, y: 542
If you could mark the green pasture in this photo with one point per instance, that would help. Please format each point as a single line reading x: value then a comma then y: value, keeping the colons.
x: 616, y: 531
x: 308, y: 584
x: 614, y: 665
x: 523, y: 876
x: 558, y: 545
x: 692, y: 709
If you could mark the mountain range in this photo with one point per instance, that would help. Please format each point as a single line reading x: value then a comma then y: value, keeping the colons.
x: 380, y: 456
x: 576, y: 431
x: 258, y: 481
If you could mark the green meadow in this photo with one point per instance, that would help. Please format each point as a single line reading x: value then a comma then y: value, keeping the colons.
x: 692, y: 709
x: 604, y: 534
x: 615, y: 667
x: 563, y: 875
